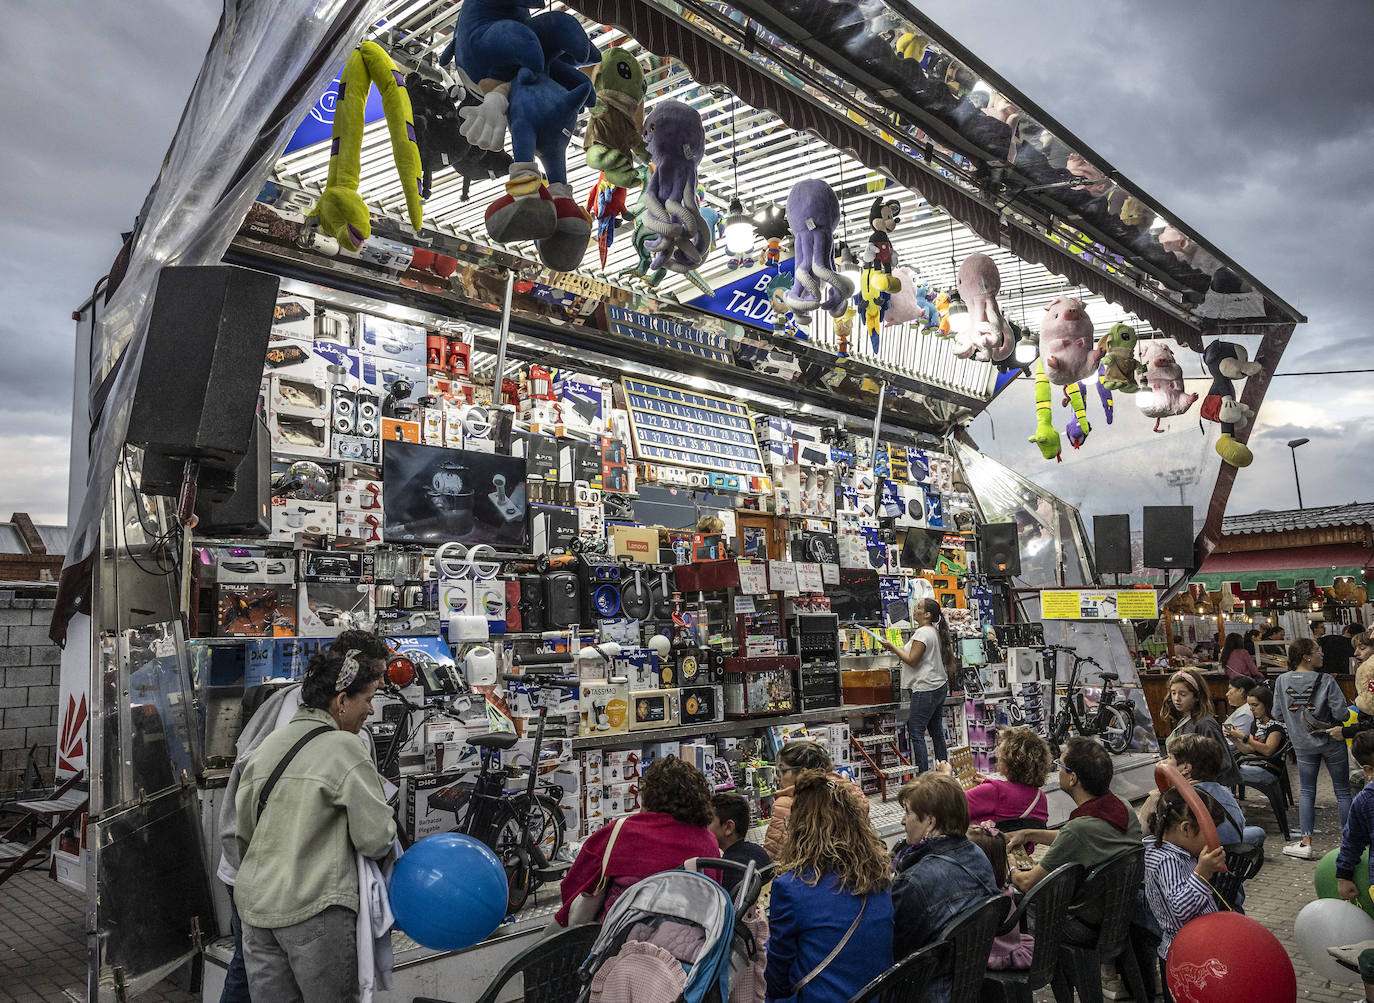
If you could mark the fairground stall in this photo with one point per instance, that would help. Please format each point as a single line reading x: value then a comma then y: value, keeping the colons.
x: 677, y: 356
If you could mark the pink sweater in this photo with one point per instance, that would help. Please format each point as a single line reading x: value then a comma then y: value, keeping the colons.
x: 1239, y: 663
x: 999, y: 800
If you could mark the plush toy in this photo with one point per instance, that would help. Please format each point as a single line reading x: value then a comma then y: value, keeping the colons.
x: 1161, y: 383
x: 771, y: 225
x: 1104, y: 394
x: 1228, y: 362
x: 527, y: 68
x: 783, y: 321
x: 942, y: 312
x: 1066, y: 344
x: 340, y: 210
x: 930, y: 317
x: 1045, y: 437
x: 676, y: 141
x: 1094, y: 181
x: 988, y: 336
x: 715, y: 222
x: 813, y: 213
x: 1078, y: 427
x: 877, y: 283
x: 1120, y: 368
x: 606, y: 204
x: 1130, y: 209
x: 613, y: 139
x: 439, y: 137
x: 903, y: 307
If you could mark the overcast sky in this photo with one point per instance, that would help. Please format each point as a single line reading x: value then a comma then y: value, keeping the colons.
x: 1250, y: 123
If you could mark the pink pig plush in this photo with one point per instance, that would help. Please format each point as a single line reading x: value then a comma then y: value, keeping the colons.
x: 1097, y: 183
x: 1162, y: 381
x: 902, y: 307
x: 988, y: 333
x: 1066, y: 342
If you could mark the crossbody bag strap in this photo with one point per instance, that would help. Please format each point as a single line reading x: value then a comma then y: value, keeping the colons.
x: 863, y: 904
x: 606, y: 857
x: 285, y: 761
x: 1031, y: 807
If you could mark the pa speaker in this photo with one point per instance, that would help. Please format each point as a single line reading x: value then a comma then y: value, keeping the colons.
x: 1169, y: 536
x: 247, y: 511
x: 1000, y: 554
x: 564, y: 597
x: 202, y: 363
x: 1112, y: 544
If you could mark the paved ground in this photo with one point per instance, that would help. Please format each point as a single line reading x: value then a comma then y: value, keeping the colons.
x: 43, y: 949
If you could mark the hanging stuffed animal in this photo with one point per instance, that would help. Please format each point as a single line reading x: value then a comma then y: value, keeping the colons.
x: 813, y: 213
x: 676, y: 142
x: 606, y: 204
x: 1066, y: 344
x: 1119, y: 365
x: 1045, y: 437
x: 613, y: 139
x: 942, y: 329
x: 904, y: 306
x: 877, y: 283
x: 439, y: 137
x: 1228, y: 362
x: 930, y: 317
x: 1078, y: 428
x: 527, y: 67
x: 1105, y: 395
x: 1162, y: 394
x: 340, y: 210
x: 988, y: 336
x: 771, y: 225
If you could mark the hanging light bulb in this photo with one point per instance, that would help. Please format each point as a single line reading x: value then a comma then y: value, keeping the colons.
x: 959, y: 317
x: 739, y: 229
x: 1026, y: 348
x: 849, y: 266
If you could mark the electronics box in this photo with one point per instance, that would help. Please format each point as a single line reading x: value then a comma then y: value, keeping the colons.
x: 760, y: 687
x: 431, y: 801
x: 292, y: 515
x: 635, y: 542
x: 700, y: 704
x: 603, y: 708
x: 392, y: 340
x: 293, y: 319
x: 653, y: 709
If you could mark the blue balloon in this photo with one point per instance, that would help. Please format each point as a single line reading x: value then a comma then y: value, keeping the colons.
x: 448, y: 892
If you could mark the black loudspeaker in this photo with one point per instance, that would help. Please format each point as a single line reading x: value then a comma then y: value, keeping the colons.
x: 1112, y: 544
x: 1000, y: 553
x: 564, y: 599
x: 202, y: 364
x: 531, y: 604
x: 1168, y: 536
x: 246, y: 512
x: 636, y: 595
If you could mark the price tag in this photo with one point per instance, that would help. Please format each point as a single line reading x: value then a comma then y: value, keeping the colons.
x: 744, y: 604
x: 753, y: 579
x: 809, y: 580
x: 830, y: 574
x: 782, y: 575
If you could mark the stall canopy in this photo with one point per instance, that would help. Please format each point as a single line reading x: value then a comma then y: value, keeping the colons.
x: 1321, y: 565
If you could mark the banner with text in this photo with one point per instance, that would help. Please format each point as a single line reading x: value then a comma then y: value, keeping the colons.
x: 1109, y: 604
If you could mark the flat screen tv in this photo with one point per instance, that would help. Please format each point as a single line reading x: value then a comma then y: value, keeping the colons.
x: 856, y: 598
x: 434, y: 495
x: 921, y: 549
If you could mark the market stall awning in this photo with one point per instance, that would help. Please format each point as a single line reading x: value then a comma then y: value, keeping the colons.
x: 1321, y: 565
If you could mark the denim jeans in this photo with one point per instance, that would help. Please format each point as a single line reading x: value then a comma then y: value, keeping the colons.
x: 926, y: 714
x: 236, y: 978
x: 1256, y: 776
x: 1309, y: 765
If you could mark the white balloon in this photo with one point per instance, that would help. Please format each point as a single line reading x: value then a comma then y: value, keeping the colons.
x: 1331, y: 923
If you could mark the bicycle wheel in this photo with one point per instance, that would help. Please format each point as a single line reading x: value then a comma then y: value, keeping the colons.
x: 510, y: 850
x: 1059, y: 727
x: 545, y: 826
x: 1118, y: 727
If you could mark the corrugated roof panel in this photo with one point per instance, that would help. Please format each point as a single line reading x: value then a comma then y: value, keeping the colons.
x: 10, y: 540
x: 54, y: 538
x: 1281, y: 520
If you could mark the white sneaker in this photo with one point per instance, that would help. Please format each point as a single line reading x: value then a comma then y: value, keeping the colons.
x: 1308, y: 852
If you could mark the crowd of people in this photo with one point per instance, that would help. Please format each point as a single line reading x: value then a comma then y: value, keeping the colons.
x: 306, y: 813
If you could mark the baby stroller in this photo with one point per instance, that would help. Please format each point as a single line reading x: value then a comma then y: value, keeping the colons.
x: 673, y: 937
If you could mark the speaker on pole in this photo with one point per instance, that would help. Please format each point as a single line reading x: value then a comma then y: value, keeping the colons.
x: 1112, y: 544
x: 1000, y: 551
x: 1168, y: 534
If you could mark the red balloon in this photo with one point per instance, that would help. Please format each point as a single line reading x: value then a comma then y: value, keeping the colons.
x: 1225, y: 957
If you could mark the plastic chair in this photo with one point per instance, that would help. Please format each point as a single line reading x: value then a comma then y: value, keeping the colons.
x: 908, y: 979
x: 549, y: 968
x: 1277, y: 789
x: 1114, y: 885
x: 970, y: 939
x: 1041, y: 913
x: 1243, y: 862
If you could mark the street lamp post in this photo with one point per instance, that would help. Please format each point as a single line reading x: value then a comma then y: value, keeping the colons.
x: 1293, y: 445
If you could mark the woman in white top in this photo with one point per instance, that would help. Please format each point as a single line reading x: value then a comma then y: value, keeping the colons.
x: 926, y: 661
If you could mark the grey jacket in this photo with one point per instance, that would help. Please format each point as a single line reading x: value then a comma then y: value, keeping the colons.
x: 1319, y: 692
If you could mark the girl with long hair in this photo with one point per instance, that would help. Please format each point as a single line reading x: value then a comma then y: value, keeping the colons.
x: 1310, y: 705
x: 832, y: 896
x: 795, y: 758
x: 927, y: 666
x: 1187, y: 711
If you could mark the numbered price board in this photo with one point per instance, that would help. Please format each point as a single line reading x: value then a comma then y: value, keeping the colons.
x: 664, y: 332
x: 688, y: 428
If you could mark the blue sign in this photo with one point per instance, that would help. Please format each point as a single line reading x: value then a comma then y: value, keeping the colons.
x: 746, y: 299
x: 318, y: 124
x: 1003, y: 378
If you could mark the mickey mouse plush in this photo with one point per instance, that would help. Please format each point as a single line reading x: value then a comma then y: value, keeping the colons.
x: 1228, y: 362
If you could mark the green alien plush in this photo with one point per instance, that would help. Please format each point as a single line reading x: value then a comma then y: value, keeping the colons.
x: 613, y: 133
x: 1118, y: 358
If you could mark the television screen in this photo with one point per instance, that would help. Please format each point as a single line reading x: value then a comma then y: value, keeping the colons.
x: 435, y: 495
x: 921, y: 549
x: 856, y: 597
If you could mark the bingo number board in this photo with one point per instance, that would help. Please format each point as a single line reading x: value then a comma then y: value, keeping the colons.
x: 664, y: 332
x: 687, y: 428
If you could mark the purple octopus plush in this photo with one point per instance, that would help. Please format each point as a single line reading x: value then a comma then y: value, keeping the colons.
x: 813, y: 213
x: 676, y: 141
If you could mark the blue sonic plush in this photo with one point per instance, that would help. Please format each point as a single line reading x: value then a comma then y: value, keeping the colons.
x: 528, y: 69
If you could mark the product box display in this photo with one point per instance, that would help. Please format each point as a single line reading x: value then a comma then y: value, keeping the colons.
x: 603, y: 707
x: 432, y: 800
x: 292, y: 516
x: 656, y: 708
x: 256, y: 610
x: 700, y: 704
x: 392, y: 340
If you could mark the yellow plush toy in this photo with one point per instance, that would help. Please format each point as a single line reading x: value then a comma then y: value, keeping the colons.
x: 340, y: 211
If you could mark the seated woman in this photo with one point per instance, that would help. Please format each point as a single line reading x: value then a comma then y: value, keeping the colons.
x: 1017, y: 802
x: 940, y: 872
x: 796, y: 756
x: 1236, y: 660
x: 1265, y: 737
x: 830, y: 916
x: 670, y: 829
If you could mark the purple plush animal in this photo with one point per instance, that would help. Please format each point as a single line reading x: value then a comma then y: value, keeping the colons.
x: 1066, y: 342
x: 813, y: 213
x: 676, y: 141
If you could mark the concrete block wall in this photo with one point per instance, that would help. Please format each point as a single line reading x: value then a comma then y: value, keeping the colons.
x: 29, y: 668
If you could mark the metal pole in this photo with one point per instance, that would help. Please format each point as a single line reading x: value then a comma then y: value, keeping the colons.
x: 878, y: 419
x: 500, y: 370
x: 1293, y: 450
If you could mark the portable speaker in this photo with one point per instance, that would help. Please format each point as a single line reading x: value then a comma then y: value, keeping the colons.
x: 246, y: 512
x: 636, y: 598
x: 1000, y: 553
x: 531, y: 603
x: 345, y: 410
x: 1168, y: 533
x: 1112, y: 544
x: 198, y: 385
x: 369, y: 414
x: 563, y: 599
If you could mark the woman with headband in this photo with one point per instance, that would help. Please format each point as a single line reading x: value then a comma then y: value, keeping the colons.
x: 309, y: 801
x: 1187, y: 711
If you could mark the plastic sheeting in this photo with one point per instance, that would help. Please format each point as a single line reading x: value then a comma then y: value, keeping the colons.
x: 266, y: 65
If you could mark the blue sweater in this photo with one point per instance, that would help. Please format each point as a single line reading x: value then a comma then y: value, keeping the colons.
x: 804, y: 925
x: 1355, y: 839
